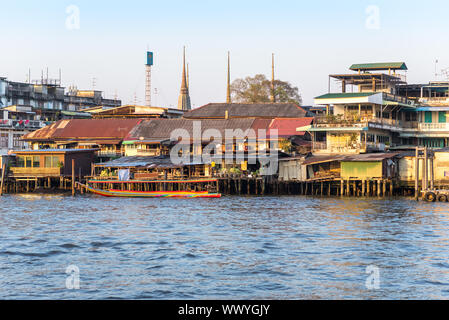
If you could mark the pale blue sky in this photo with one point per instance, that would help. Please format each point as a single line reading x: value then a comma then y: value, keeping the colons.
x: 310, y: 39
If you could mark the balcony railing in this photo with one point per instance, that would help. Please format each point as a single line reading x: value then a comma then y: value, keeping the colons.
x: 32, y: 172
x: 444, y: 126
x: 22, y: 124
x: 354, y: 121
x: 110, y: 153
x: 435, y: 101
x: 344, y: 147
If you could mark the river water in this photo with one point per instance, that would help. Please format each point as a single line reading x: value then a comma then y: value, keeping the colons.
x: 228, y: 248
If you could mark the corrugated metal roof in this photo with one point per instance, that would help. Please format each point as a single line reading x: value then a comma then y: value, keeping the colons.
x: 96, y: 129
x: 379, y: 66
x: 366, y: 157
x: 242, y: 110
x: 55, y: 151
x: 142, y: 162
x: 163, y: 128
x: 346, y: 95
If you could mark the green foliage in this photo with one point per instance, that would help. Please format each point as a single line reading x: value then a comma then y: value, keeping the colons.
x: 60, y: 164
x: 285, y: 145
x: 257, y: 89
x: 235, y: 171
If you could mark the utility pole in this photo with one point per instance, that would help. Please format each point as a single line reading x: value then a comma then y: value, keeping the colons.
x: 273, y: 98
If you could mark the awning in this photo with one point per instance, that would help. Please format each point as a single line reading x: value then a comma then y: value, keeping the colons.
x: 432, y: 109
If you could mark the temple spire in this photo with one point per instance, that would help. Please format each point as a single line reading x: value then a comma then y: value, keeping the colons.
x: 184, y: 97
x: 228, y: 91
x: 188, y: 81
x: 273, y: 98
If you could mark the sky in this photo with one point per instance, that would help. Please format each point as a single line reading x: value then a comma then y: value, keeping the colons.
x: 107, y: 41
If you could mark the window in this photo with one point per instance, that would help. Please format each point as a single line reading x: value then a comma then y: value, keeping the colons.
x: 442, y: 117
x: 17, y: 143
x: 51, y: 161
x: 36, y: 162
x: 410, y: 116
x: 20, y: 162
x: 383, y: 139
x: 4, y: 140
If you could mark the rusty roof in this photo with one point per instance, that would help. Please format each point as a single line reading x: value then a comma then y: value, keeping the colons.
x: 84, y: 129
x: 247, y: 110
x: 163, y: 128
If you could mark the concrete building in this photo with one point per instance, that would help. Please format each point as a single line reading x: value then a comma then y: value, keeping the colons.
x: 25, y: 107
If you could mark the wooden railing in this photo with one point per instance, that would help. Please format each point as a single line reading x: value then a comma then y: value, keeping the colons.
x: 44, y: 172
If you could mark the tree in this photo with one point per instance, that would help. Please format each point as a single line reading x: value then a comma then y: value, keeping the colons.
x: 257, y: 89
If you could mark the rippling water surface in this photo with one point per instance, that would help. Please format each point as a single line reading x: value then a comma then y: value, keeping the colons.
x: 229, y: 248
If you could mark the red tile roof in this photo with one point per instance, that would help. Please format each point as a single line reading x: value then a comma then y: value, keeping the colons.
x: 287, y: 127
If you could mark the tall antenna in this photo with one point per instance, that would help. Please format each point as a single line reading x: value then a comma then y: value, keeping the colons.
x: 436, y: 63
x: 94, y: 83
x: 273, y: 98
x: 148, y: 78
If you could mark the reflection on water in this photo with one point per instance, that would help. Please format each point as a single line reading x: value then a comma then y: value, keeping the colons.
x: 229, y: 248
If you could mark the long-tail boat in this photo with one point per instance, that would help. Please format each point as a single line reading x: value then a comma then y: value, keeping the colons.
x: 152, y: 194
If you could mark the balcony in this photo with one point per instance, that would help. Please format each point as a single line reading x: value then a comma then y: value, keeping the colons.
x: 110, y: 153
x: 444, y: 126
x: 435, y: 101
x: 35, y: 172
x: 355, y: 121
x: 22, y: 124
x: 344, y: 147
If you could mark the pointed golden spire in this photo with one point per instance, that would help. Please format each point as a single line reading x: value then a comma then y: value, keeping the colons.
x: 228, y: 91
x: 188, y: 81
x: 184, y: 78
x: 184, y: 97
x: 273, y: 98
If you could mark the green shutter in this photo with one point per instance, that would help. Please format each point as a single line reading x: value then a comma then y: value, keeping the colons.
x: 428, y: 117
x: 442, y: 116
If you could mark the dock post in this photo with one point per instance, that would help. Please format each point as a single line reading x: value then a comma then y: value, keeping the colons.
x: 425, y: 171
x: 342, y: 188
x: 348, y: 189
x: 384, y: 188
x: 73, y: 177
x: 378, y: 188
x: 391, y: 188
x: 417, y: 175
x: 363, y: 187
x: 432, y: 174
x: 3, y: 178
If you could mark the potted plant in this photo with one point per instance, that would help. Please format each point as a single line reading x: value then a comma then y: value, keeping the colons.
x: 60, y: 166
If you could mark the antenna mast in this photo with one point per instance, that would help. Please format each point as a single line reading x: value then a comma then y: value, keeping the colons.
x: 148, y: 78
